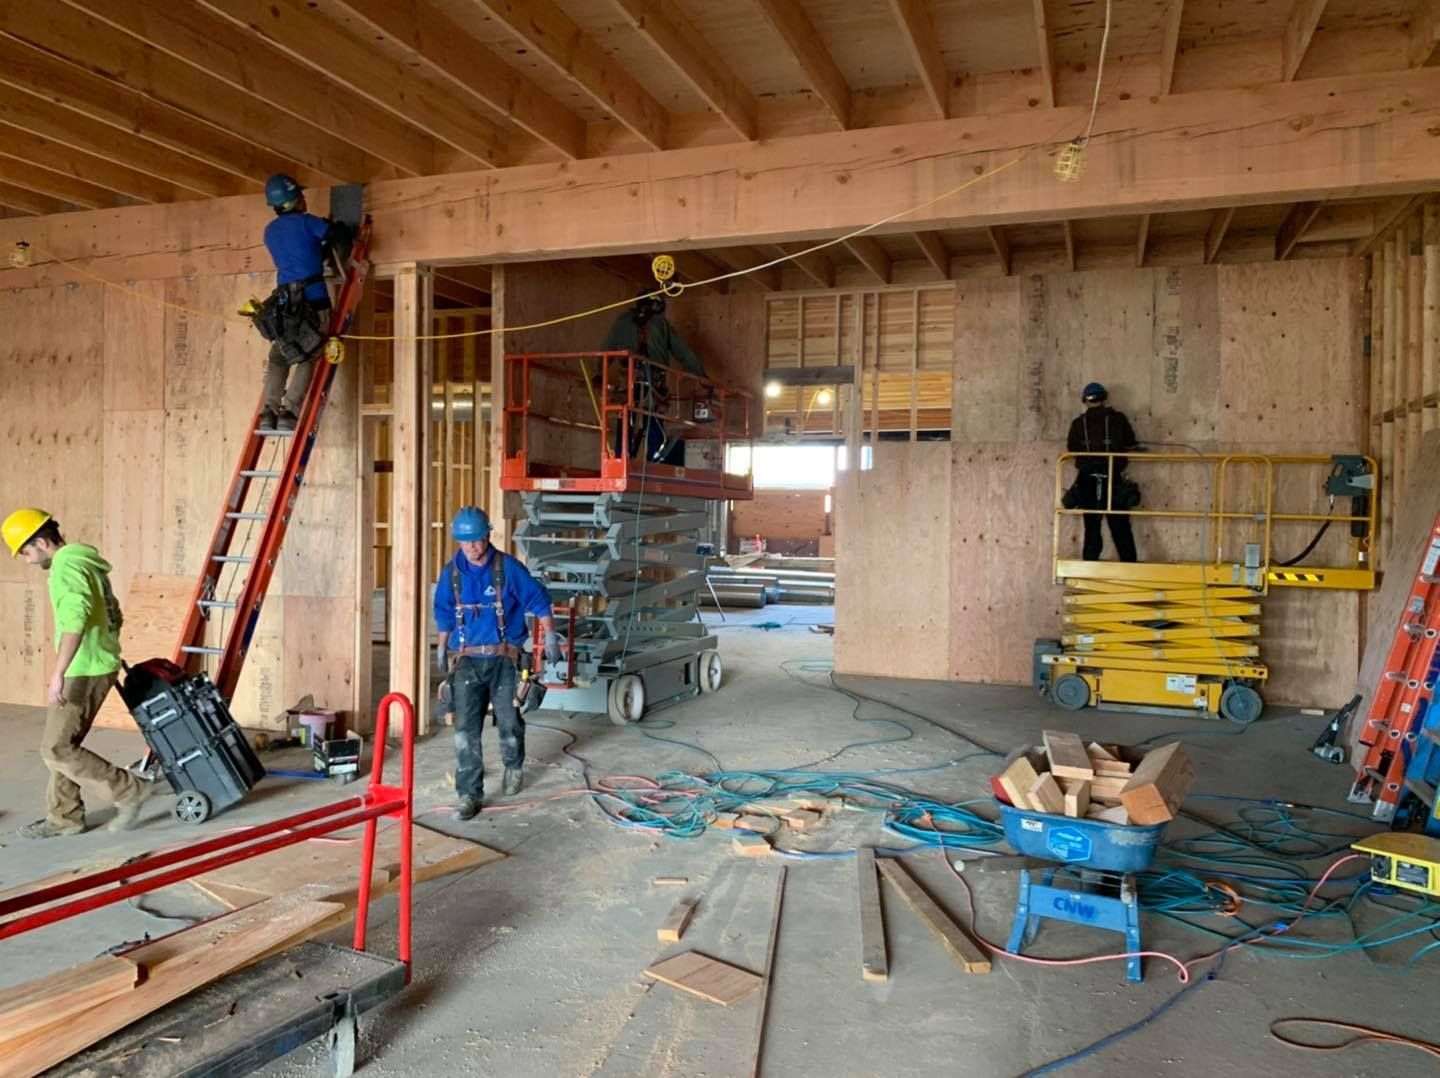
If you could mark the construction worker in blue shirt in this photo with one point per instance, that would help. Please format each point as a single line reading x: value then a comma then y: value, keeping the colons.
x: 298, y: 243
x: 480, y: 633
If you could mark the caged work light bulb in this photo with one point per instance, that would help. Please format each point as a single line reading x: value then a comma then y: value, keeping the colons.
x: 1071, y: 161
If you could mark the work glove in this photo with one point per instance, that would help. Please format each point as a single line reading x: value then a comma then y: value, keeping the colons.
x: 441, y: 654
x: 552, y: 647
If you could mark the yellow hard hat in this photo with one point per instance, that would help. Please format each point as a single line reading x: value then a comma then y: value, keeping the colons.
x: 20, y: 527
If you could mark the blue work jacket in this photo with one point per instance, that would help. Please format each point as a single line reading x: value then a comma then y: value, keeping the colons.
x: 523, y: 595
x: 294, y: 241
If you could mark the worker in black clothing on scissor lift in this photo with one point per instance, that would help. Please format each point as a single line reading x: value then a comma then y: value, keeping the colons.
x: 644, y: 330
x: 1101, y: 429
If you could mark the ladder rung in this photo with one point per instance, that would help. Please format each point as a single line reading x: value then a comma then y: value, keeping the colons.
x: 232, y: 559
x: 259, y: 473
x: 190, y: 649
x: 266, y: 432
x: 217, y: 604
x: 245, y: 516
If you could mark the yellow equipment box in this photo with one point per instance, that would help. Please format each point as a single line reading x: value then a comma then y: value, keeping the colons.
x: 1403, y: 859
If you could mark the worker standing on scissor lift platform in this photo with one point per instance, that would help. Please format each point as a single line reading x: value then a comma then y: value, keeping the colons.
x: 293, y: 317
x: 87, y: 640
x: 1101, y: 429
x: 644, y: 330
x: 481, y: 600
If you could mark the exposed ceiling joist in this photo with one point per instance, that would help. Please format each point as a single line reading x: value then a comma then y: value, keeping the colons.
x: 1386, y: 218
x: 1424, y: 32
x: 238, y: 133
x: 692, y: 267
x: 1299, y: 29
x: 1069, y: 245
x: 1170, y: 48
x: 1046, y: 49
x: 27, y: 201
x: 1301, y: 216
x: 799, y: 36
x: 458, y: 291
x: 475, y: 276
x: 745, y: 258
x: 815, y: 264
x: 61, y: 125
x: 924, y: 47
x: 1142, y: 239
x: 44, y: 181
x: 80, y: 165
x: 553, y: 35
x: 872, y: 256
x: 935, y: 252
x: 407, y: 92
x: 265, y: 81
x: 1215, y: 234
x: 1001, y: 243
x: 670, y: 34
x: 25, y: 67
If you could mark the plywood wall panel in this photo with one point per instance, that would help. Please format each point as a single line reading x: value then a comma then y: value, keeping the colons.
x: 135, y: 347
x: 26, y: 645
x: 987, y: 335
x: 134, y: 505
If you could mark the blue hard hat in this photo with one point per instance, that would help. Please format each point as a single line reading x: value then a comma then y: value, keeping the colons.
x: 470, y: 524
x: 1093, y: 392
x: 281, y: 190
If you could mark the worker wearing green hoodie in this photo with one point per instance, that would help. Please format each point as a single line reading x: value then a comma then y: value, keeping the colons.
x: 87, y: 639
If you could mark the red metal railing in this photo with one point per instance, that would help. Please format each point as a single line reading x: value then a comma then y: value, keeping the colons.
x: 143, y: 874
x: 590, y: 400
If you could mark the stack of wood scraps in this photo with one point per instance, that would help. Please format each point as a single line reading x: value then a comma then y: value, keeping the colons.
x: 1110, y: 783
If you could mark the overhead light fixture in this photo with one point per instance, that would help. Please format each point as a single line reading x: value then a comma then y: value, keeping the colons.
x: 772, y: 389
x: 824, y: 397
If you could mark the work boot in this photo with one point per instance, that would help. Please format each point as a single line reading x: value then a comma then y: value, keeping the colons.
x: 468, y: 809
x: 512, y: 781
x: 286, y: 420
x: 46, y: 829
x: 126, y: 812
x: 266, y: 420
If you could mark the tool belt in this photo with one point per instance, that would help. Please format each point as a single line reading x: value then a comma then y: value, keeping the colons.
x: 489, y: 651
x: 290, y: 322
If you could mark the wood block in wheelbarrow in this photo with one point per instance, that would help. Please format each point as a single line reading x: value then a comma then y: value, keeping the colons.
x: 1159, y: 785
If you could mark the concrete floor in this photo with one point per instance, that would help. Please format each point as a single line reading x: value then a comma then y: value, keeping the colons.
x: 532, y: 966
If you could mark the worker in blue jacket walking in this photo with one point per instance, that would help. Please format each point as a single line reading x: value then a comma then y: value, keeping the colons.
x: 481, y: 600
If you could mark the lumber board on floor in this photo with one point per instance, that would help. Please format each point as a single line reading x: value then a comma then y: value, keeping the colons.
x: 874, y: 963
x: 673, y: 927
x: 971, y: 958
x: 43, y: 1001
x: 706, y: 977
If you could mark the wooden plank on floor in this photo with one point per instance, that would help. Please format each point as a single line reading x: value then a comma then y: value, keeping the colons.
x: 706, y: 977
x: 43, y: 1001
x: 874, y: 963
x: 673, y: 927
x: 971, y: 958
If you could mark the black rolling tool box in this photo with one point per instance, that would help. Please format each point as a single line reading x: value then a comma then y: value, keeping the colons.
x: 192, y: 735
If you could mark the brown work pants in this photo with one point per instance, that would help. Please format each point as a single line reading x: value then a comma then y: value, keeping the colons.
x: 70, y: 763
x: 279, y: 397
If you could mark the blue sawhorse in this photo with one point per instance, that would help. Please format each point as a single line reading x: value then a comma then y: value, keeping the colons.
x: 1081, y: 907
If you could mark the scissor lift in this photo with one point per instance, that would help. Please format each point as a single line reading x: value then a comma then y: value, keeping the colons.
x: 1184, y: 637
x: 616, y: 539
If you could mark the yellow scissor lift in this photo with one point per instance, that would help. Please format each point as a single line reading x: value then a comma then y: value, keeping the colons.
x: 1184, y: 637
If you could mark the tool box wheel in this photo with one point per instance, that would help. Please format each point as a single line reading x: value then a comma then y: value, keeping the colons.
x: 626, y: 701
x: 1070, y: 691
x: 711, y: 670
x: 192, y: 807
x: 1240, y: 704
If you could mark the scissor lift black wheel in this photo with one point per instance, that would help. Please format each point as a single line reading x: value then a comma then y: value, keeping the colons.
x: 192, y: 807
x: 1070, y: 691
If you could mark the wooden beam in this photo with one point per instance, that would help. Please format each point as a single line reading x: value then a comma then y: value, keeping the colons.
x: 744, y: 258
x: 692, y: 267
x: 1386, y: 218
x: 1142, y: 239
x: 933, y: 247
x: 268, y: 81
x: 1170, y: 47
x: 1070, y: 244
x: 78, y: 165
x: 799, y: 37
x: 1424, y: 32
x: 872, y: 256
x: 1294, y: 227
x: 458, y: 291
x: 1001, y: 243
x: 1215, y: 234
x: 669, y: 33
x: 28, y: 68
x: 1046, y: 48
x: 1299, y: 29
x: 475, y: 276
x: 554, y: 36
x: 193, y: 112
x: 81, y: 133
x: 27, y: 201
x: 964, y: 950
x: 810, y: 376
x: 923, y: 45
x: 432, y: 106
x: 816, y: 265
x: 44, y: 181
x: 874, y: 965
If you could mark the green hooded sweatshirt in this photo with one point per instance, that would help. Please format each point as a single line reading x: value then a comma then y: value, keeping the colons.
x: 83, y: 603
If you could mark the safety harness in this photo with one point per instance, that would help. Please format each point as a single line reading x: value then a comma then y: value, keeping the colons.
x: 497, y: 576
